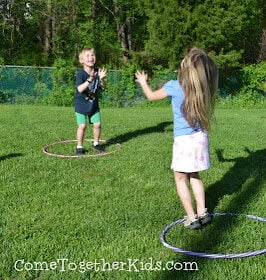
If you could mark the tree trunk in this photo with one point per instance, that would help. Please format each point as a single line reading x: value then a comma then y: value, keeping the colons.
x: 123, y: 27
x: 48, y: 26
x: 262, y: 56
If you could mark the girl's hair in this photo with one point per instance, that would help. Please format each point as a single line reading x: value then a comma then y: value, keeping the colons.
x: 198, y: 76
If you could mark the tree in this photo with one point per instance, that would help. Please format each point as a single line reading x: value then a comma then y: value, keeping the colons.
x: 124, y: 13
x: 225, y: 28
x: 149, y: 33
x: 12, y: 24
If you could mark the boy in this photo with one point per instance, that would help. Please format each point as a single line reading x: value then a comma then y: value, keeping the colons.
x: 88, y: 81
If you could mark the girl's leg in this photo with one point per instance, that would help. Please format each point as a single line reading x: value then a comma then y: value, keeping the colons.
x: 181, y: 180
x: 198, y: 191
x: 80, y: 134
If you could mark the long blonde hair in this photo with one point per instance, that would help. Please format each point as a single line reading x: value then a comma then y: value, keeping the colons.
x: 198, y: 76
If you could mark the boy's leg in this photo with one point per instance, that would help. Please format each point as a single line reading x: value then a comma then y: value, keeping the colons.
x: 181, y: 180
x: 96, y: 133
x: 96, y: 121
x: 81, y: 121
x: 80, y: 134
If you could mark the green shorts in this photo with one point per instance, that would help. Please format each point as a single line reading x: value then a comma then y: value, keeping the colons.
x: 82, y: 119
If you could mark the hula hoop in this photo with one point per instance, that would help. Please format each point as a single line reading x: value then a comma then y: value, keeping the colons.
x: 212, y: 256
x: 45, y: 149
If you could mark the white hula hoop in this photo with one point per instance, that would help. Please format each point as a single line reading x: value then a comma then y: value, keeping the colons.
x: 45, y: 149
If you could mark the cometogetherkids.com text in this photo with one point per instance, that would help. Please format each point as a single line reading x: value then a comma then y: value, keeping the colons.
x: 129, y: 265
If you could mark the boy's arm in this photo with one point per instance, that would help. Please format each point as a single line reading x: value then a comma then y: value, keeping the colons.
x: 83, y: 86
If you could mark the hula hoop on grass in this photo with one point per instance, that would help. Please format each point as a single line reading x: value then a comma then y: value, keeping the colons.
x: 45, y: 149
x: 212, y: 256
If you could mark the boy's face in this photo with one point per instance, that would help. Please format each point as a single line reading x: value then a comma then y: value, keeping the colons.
x: 88, y: 58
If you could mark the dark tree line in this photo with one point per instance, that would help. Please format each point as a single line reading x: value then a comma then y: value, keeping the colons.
x: 146, y: 33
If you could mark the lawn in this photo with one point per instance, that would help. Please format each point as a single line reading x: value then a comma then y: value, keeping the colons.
x: 102, y: 217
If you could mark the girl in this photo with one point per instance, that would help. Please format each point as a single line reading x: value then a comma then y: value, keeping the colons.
x: 192, y: 97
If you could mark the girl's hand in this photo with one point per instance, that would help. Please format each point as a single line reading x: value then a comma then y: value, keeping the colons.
x: 102, y: 73
x: 141, y: 77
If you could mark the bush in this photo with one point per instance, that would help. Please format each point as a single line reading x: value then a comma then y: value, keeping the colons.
x: 63, y: 76
x: 62, y: 96
x: 253, y: 79
x: 121, y: 88
x: 3, y: 97
x: 253, y: 85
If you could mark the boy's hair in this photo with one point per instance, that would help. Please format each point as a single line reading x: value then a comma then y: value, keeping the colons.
x: 83, y: 51
x: 198, y: 77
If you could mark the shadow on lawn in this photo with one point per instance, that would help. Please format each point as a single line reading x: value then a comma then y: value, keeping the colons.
x: 161, y: 127
x: 232, y: 181
x: 10, y: 156
x: 252, y: 166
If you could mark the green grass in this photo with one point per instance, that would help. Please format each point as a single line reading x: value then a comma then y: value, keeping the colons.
x: 114, y: 208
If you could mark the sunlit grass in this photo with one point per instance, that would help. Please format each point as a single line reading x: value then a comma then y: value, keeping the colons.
x: 115, y: 207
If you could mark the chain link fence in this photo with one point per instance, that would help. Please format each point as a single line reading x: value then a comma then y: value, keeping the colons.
x: 23, y: 83
x: 30, y: 85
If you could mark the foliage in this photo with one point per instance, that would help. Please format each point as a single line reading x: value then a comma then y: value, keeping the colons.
x: 253, y: 89
x: 3, y: 97
x: 120, y: 87
x: 253, y: 79
x: 228, y: 63
x: 246, y: 89
x: 218, y: 26
x: 41, y: 89
x: 244, y: 101
x: 63, y: 76
x: 63, y: 96
x: 160, y: 76
x: 143, y: 32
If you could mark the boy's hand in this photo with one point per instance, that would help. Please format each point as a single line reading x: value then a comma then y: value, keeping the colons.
x: 92, y: 74
x: 141, y: 77
x: 102, y: 73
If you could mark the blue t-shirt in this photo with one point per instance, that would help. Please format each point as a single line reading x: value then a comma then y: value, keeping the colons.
x: 181, y: 126
x: 87, y: 102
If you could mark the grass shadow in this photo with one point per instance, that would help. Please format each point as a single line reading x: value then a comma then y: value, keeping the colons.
x: 161, y: 127
x: 244, y: 167
x: 10, y: 156
x: 252, y: 166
